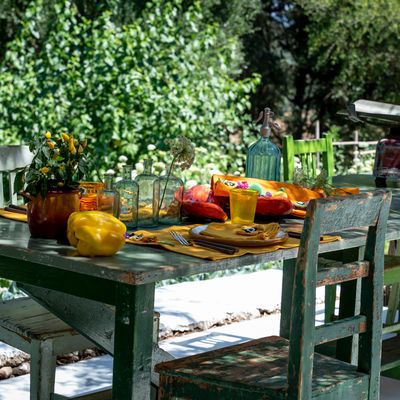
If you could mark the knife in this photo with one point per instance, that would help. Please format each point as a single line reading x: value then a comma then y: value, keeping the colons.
x: 224, y: 248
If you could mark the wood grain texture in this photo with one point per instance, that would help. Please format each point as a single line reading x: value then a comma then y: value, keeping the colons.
x: 135, y: 264
x: 265, y: 368
x: 246, y: 369
x: 27, y: 318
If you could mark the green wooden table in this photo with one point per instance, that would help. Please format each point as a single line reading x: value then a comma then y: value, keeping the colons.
x: 111, y: 299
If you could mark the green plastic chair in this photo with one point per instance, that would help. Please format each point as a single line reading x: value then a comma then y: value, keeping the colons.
x: 278, y: 368
x: 306, y: 151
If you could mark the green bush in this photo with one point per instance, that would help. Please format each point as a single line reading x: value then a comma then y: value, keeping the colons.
x: 127, y: 86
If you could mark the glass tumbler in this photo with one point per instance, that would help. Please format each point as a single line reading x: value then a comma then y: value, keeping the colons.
x: 243, y: 204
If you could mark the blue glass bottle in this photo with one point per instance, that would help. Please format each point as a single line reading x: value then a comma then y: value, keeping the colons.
x: 264, y: 157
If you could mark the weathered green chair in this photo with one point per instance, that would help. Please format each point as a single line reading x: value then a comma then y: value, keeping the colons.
x: 307, y: 151
x: 277, y: 368
x: 11, y: 158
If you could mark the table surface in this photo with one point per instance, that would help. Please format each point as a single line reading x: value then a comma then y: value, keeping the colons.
x: 67, y: 284
x: 137, y: 264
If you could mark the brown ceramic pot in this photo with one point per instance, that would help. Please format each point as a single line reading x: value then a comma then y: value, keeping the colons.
x: 48, y: 217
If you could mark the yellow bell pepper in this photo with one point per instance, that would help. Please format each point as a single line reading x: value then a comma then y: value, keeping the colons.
x: 95, y: 233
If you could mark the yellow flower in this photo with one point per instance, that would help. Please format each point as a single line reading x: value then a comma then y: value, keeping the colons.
x: 47, y: 135
x: 44, y: 170
x: 50, y: 144
x: 65, y: 137
x: 72, y: 148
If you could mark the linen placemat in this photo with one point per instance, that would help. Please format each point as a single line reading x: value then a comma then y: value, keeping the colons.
x: 163, y: 238
x: 12, y: 215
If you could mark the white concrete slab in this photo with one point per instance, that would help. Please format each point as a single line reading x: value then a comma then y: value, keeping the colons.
x: 188, y: 306
x: 223, y: 336
x: 72, y: 379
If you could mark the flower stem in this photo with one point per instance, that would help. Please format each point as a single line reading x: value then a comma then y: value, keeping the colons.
x: 166, y: 182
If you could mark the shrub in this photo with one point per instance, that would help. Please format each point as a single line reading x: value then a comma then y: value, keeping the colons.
x: 166, y: 73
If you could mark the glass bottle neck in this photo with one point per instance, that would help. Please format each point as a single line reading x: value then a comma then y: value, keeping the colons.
x: 148, y: 165
x: 127, y: 172
x: 108, y: 182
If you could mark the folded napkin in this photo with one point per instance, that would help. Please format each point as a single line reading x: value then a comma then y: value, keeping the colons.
x: 240, y: 232
x: 12, y: 215
x: 163, y: 238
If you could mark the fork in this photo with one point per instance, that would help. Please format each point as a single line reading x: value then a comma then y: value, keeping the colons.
x: 224, y: 248
x: 177, y: 236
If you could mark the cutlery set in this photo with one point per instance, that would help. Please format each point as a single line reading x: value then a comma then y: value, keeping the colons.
x: 223, y: 248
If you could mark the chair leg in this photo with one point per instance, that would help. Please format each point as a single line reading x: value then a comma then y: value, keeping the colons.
x: 330, y: 301
x: 165, y: 390
x: 393, y: 304
x: 43, y: 370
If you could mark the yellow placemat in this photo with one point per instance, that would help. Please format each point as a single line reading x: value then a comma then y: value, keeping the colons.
x: 12, y: 215
x: 164, y: 239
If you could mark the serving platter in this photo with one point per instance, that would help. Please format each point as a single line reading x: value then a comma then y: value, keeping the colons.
x: 242, y: 241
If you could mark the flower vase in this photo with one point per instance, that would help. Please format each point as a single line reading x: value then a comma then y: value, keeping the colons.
x: 48, y: 217
x: 169, y: 194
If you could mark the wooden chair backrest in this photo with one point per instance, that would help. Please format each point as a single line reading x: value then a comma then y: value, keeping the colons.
x: 324, y: 216
x: 306, y: 151
x: 11, y: 159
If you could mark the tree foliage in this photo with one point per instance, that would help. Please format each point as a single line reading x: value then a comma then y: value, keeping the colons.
x: 116, y: 70
x: 124, y: 87
x: 316, y: 56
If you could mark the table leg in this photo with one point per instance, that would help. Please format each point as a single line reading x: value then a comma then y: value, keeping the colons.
x: 286, y: 297
x: 133, y: 341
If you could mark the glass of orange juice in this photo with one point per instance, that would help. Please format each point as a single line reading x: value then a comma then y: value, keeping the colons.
x: 243, y: 204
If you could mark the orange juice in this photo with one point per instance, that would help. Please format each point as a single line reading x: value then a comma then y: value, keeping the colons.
x: 243, y: 204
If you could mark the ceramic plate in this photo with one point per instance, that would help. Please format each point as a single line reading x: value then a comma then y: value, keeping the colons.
x: 280, y: 237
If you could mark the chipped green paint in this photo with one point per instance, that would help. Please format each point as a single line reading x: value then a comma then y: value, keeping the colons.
x: 265, y: 368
